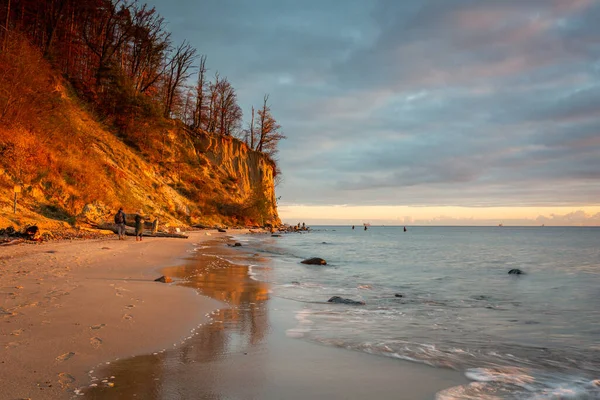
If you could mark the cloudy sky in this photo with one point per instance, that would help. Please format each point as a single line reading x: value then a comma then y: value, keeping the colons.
x: 417, y: 111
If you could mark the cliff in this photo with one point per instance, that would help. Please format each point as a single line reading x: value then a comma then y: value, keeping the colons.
x: 74, y: 168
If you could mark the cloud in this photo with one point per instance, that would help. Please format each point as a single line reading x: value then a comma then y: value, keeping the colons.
x: 415, y: 102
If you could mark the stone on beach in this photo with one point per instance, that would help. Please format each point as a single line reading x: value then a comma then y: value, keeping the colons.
x: 164, y: 279
x: 314, y: 261
x: 341, y: 300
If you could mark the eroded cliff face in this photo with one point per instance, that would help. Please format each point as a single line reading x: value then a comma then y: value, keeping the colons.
x: 251, y: 174
x: 66, y: 161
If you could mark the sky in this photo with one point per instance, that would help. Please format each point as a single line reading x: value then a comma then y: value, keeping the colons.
x: 446, y: 112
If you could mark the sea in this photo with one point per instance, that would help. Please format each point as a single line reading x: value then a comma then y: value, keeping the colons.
x: 442, y: 296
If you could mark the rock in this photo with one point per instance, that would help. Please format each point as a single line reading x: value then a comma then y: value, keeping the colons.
x: 164, y: 279
x: 340, y: 300
x: 516, y: 271
x: 314, y: 261
x: 237, y: 244
x: 32, y: 232
x: 398, y: 295
x: 275, y: 235
x: 221, y: 230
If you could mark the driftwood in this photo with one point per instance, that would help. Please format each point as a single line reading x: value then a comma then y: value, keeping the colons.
x: 131, y: 231
x: 13, y: 241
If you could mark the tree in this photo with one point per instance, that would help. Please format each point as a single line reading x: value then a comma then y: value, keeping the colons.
x: 105, y: 30
x: 149, y: 43
x: 200, y: 110
x: 224, y: 114
x: 177, y: 72
x: 269, y: 133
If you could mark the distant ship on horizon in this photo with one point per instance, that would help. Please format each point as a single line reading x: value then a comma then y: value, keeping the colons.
x: 500, y: 224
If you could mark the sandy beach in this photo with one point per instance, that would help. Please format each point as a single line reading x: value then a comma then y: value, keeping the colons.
x: 68, y: 306
x: 247, y: 352
x: 86, y: 317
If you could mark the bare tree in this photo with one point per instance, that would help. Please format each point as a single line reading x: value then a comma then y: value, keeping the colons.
x: 178, y: 69
x: 268, y: 130
x: 200, y: 111
x: 224, y: 114
x: 148, y: 46
x: 105, y: 30
x: 211, y: 123
x: 229, y: 112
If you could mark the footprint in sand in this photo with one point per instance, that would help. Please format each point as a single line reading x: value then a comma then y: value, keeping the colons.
x: 5, y: 312
x: 96, y: 327
x: 11, y: 345
x: 65, y: 357
x: 65, y: 380
x: 17, y: 332
x: 130, y: 306
x: 127, y: 316
x: 96, y: 342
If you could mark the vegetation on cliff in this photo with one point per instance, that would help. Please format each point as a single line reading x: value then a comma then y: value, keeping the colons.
x: 94, y: 109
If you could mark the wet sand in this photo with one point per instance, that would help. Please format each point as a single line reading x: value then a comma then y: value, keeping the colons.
x: 65, y: 307
x: 244, y: 353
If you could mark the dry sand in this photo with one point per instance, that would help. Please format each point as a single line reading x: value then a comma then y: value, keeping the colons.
x: 65, y: 307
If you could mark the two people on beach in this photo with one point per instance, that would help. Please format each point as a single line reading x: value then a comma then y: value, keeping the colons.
x: 121, y: 221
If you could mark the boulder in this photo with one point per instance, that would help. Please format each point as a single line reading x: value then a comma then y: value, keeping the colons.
x: 341, y: 300
x: 314, y: 261
x: 275, y: 235
x: 32, y: 232
x: 398, y: 295
x: 164, y: 279
x: 516, y: 271
x: 221, y: 230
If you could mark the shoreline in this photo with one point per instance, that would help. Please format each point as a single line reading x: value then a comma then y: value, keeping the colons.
x: 245, y: 352
x: 70, y: 306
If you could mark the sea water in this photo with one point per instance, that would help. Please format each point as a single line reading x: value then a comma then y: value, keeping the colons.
x: 443, y: 296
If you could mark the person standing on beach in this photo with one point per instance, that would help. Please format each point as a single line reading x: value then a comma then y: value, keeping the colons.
x: 139, y: 227
x: 120, y: 221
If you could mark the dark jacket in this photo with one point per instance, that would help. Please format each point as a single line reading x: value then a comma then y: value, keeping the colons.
x: 122, y: 215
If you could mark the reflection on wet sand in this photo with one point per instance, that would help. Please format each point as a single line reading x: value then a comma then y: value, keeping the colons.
x: 197, y: 368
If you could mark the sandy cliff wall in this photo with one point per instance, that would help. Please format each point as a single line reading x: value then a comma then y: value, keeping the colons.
x: 67, y: 161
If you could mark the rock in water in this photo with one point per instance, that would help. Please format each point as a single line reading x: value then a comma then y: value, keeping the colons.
x: 340, y: 300
x: 314, y: 261
x: 221, y: 230
x: 164, y: 279
x: 516, y: 271
x: 398, y: 295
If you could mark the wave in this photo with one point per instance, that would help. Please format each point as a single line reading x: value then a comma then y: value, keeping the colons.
x: 521, y: 384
